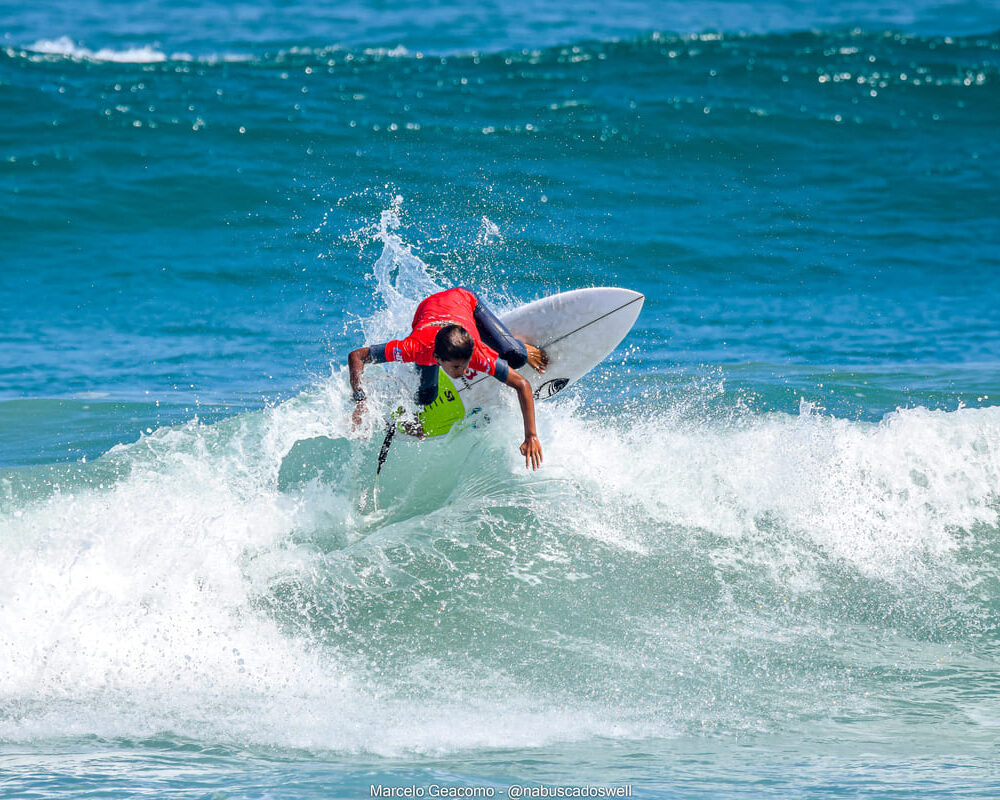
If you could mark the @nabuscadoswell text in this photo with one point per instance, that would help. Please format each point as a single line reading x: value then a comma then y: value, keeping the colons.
x: 513, y: 792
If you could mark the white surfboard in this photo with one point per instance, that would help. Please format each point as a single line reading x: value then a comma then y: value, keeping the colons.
x: 576, y: 329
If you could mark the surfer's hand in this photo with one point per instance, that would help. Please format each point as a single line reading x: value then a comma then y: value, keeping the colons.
x: 531, y: 449
x: 356, y: 417
x: 537, y: 358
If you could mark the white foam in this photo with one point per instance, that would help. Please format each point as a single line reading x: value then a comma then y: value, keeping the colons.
x: 894, y: 500
x: 65, y: 46
x: 399, y: 51
x: 131, y: 610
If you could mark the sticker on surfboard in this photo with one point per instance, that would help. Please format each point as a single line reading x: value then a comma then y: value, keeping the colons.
x: 549, y: 388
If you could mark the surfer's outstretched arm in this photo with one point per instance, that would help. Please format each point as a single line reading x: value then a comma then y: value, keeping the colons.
x: 531, y: 449
x: 356, y: 363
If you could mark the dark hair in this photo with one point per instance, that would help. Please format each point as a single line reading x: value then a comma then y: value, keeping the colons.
x: 453, y: 343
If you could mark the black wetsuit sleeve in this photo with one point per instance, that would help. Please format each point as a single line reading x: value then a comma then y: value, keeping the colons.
x: 428, y: 391
x: 376, y: 352
x: 502, y: 371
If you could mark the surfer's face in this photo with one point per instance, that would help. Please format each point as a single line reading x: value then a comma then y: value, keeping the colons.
x: 455, y: 369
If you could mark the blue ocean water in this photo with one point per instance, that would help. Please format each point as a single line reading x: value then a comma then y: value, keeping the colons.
x: 762, y: 558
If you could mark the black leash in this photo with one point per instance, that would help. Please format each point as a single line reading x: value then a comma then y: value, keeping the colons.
x: 383, y: 454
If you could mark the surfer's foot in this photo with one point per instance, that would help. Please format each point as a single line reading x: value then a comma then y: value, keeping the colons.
x: 537, y: 358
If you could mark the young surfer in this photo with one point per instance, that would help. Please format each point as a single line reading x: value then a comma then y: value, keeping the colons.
x: 455, y: 330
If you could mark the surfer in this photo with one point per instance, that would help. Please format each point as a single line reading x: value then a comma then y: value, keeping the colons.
x: 456, y: 330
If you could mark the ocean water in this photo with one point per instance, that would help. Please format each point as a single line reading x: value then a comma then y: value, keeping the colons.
x: 762, y: 558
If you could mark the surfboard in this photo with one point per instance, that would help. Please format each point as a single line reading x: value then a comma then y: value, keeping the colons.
x: 576, y: 329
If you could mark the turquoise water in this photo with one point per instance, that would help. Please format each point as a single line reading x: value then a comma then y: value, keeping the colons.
x: 763, y: 556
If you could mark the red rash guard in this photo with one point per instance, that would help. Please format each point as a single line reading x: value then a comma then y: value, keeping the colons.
x: 454, y: 306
